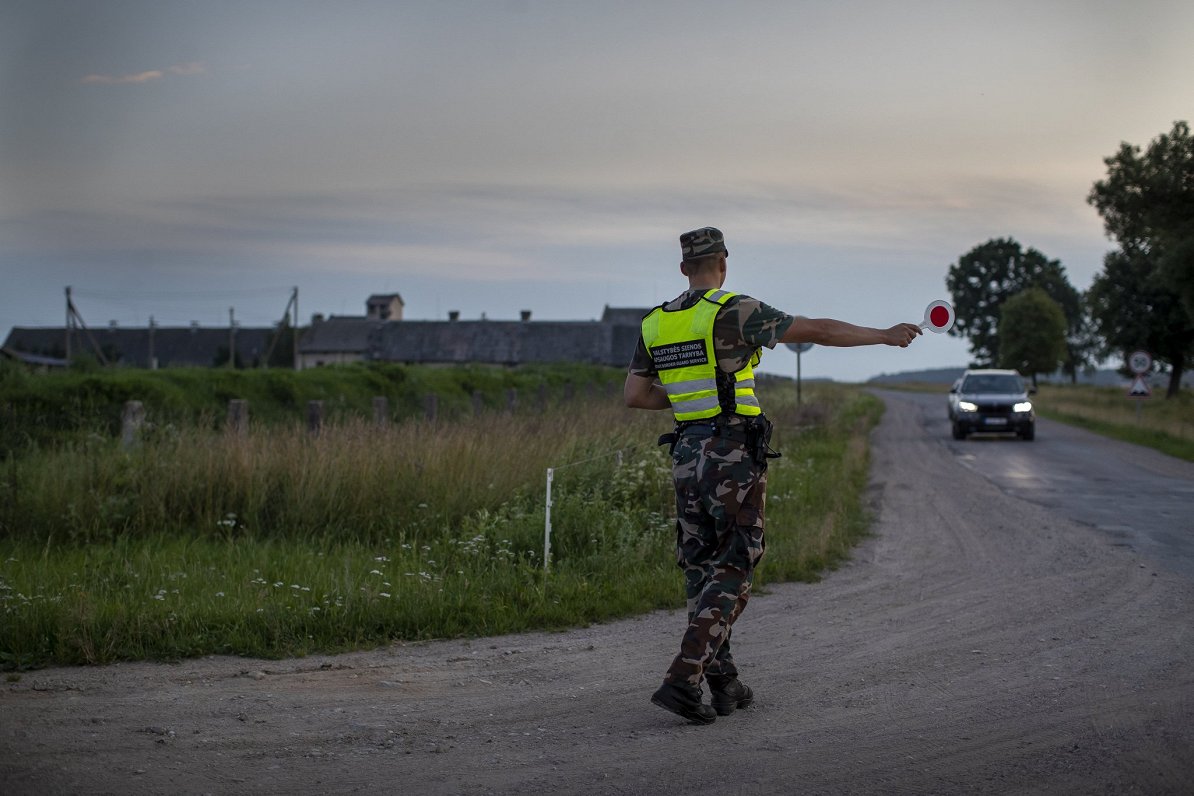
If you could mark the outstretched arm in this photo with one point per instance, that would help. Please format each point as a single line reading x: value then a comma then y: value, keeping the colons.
x: 641, y: 392
x: 827, y: 331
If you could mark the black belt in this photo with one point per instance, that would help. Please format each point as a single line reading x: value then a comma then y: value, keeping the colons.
x: 754, y: 435
x: 714, y: 427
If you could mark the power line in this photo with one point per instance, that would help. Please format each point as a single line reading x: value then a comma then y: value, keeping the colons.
x: 184, y: 308
x: 181, y: 295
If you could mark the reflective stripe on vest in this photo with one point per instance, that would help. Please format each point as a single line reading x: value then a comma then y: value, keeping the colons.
x: 681, y: 346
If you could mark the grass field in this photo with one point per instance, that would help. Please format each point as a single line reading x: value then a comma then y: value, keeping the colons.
x: 1156, y: 422
x: 283, y: 543
x: 53, y: 408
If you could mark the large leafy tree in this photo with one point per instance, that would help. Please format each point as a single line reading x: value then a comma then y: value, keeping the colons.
x: 1032, y: 329
x: 1147, y: 205
x: 1084, y: 347
x: 991, y: 273
x: 1133, y: 306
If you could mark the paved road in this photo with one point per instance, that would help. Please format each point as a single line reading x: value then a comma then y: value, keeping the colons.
x: 1139, y: 498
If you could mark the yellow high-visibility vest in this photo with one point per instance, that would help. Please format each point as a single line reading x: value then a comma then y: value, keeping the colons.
x: 681, y: 345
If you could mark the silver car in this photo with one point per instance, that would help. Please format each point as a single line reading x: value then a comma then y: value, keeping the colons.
x: 991, y: 401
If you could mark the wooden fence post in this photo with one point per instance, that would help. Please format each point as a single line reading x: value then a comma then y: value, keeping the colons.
x: 478, y: 402
x: 569, y: 392
x: 431, y: 406
x: 238, y: 416
x: 542, y: 399
x: 315, y: 417
x: 131, y: 421
x: 381, y: 411
x: 511, y: 399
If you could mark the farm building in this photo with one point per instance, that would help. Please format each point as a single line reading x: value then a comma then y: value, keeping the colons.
x: 141, y: 347
x: 381, y: 335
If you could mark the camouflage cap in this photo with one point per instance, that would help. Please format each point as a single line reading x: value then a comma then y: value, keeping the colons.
x: 702, y: 242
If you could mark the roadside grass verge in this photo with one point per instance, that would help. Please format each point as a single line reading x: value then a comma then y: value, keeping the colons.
x: 815, y: 508
x: 280, y: 544
x: 1166, y: 425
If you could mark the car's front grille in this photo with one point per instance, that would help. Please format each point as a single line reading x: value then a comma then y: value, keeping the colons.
x: 995, y: 409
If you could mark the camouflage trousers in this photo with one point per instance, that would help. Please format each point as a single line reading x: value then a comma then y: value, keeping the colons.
x: 720, y: 492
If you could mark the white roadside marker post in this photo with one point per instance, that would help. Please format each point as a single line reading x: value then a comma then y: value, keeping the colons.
x: 547, y: 523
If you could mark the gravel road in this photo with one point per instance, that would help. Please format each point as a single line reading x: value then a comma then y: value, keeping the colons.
x: 978, y: 642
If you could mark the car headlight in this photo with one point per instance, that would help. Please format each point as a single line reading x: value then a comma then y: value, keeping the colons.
x: 966, y: 406
x: 1023, y: 406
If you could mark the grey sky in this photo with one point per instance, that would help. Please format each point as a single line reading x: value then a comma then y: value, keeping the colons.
x: 174, y: 159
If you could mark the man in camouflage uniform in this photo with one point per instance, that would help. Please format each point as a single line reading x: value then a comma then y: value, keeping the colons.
x: 719, y: 460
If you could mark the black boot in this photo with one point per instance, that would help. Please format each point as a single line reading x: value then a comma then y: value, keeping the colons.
x: 684, y: 700
x: 728, y: 693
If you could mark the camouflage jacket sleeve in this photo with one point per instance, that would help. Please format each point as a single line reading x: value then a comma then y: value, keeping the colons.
x: 642, y: 364
x: 747, y: 323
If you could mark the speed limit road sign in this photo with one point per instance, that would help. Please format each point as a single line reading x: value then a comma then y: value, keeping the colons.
x: 1140, y: 362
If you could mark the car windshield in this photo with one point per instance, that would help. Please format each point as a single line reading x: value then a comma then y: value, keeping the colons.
x: 993, y: 382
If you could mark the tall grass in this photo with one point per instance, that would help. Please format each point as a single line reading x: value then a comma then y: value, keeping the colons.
x: 352, y: 481
x: 815, y: 511
x: 280, y: 543
x: 49, y: 409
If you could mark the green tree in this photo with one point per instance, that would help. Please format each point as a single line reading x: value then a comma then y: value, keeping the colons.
x: 1032, y: 329
x: 1085, y: 348
x: 989, y: 274
x: 1147, y: 205
x: 1133, y: 307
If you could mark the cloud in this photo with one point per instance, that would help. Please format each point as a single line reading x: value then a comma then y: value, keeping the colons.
x: 190, y: 68
x: 110, y: 80
x: 187, y: 69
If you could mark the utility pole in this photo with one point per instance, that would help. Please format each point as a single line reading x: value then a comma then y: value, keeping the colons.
x: 70, y: 318
x: 294, y: 328
x: 152, y: 364
x: 74, y: 319
x: 231, y: 340
x: 292, y: 321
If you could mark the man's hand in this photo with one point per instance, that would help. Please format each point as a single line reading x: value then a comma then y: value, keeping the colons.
x: 902, y: 334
